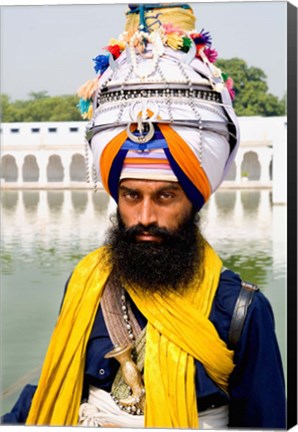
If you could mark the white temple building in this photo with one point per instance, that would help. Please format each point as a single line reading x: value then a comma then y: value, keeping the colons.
x: 51, y: 155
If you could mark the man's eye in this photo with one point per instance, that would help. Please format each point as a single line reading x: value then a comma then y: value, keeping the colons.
x: 166, y: 196
x: 131, y: 195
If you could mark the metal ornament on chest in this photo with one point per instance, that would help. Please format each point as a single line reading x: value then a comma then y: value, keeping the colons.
x: 132, y: 397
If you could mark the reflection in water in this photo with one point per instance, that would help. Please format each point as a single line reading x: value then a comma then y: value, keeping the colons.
x: 9, y: 200
x: 227, y: 225
x: 251, y: 267
x: 250, y: 200
x: 55, y: 201
x: 270, y: 197
x: 100, y: 201
x: 226, y: 201
x: 224, y: 223
x: 43, y: 239
x: 31, y: 200
x: 79, y: 201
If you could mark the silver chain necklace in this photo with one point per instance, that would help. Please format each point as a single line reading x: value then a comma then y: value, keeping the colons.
x: 126, y: 319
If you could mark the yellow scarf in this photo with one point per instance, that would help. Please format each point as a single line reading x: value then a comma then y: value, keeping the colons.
x: 178, y: 331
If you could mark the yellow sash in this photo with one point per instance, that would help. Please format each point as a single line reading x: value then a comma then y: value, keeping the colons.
x: 178, y: 331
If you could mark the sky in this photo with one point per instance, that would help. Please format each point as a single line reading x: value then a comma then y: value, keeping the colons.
x: 50, y: 47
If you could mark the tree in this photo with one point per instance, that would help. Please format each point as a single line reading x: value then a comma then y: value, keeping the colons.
x: 251, y: 90
x: 10, y: 112
x: 41, y: 108
x: 38, y: 95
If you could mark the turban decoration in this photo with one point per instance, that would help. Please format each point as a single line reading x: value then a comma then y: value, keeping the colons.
x: 160, y: 109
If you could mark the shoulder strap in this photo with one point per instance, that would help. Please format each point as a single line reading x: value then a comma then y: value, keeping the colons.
x: 240, y: 310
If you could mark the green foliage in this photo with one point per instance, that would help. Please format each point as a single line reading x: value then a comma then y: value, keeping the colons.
x: 39, y: 95
x: 40, y: 108
x: 251, y: 90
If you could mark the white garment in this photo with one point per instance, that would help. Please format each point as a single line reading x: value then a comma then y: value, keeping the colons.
x: 214, y: 418
x: 101, y: 410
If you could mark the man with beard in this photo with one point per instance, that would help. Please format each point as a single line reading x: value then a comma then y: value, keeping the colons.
x: 153, y: 330
x: 157, y: 249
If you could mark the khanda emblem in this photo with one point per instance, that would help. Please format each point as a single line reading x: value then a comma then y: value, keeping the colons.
x: 143, y: 117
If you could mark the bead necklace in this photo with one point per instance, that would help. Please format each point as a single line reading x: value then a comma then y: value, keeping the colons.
x: 126, y: 316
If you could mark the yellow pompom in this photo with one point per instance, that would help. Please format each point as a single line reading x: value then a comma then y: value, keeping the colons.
x: 120, y: 43
x: 90, y: 112
x: 87, y: 90
x: 174, y: 41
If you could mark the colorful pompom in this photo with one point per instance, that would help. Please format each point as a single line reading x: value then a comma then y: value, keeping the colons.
x: 206, y: 37
x: 186, y: 44
x: 202, y: 38
x: 120, y: 43
x: 211, y: 54
x: 101, y: 63
x: 170, y: 35
x: 115, y: 50
x: 229, y: 84
x: 89, y: 112
x: 198, y: 50
x: 85, y: 106
x: 170, y: 28
x: 225, y: 76
x: 87, y: 90
x: 174, y: 41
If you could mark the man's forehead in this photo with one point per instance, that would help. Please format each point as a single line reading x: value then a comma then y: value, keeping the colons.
x: 146, y: 184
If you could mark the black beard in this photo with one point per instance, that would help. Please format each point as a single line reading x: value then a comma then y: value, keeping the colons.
x: 168, y: 265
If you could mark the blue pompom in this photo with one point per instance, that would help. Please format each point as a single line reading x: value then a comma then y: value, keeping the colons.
x: 101, y: 63
x: 84, y: 105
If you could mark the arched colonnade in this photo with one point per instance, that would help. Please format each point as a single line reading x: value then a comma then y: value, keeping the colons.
x: 52, y: 167
x: 65, y: 167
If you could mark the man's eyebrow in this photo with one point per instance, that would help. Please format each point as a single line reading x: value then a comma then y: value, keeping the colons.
x: 169, y: 187
x: 127, y: 189
x: 174, y: 186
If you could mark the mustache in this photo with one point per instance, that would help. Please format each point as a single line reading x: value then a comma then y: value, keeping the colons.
x: 152, y: 229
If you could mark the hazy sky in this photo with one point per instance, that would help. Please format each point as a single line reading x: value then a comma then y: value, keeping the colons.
x: 50, y: 47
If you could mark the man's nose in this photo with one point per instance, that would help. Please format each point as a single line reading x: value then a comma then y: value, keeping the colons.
x: 147, y: 213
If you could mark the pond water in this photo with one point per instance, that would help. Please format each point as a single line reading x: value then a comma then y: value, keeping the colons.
x: 45, y: 233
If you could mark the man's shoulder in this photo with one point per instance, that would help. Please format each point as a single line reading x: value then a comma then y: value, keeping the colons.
x: 230, y: 287
x: 236, y: 301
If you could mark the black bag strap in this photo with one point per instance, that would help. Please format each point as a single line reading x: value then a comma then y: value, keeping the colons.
x: 240, y: 310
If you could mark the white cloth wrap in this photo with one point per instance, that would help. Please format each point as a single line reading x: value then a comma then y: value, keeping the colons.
x: 101, y: 410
